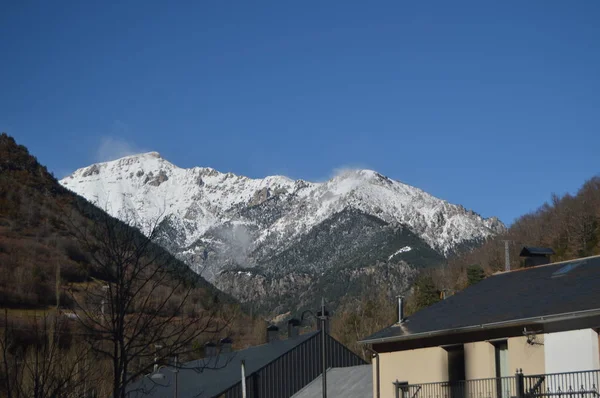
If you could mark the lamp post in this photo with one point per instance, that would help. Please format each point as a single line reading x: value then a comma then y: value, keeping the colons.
x: 322, y: 318
x: 159, y: 376
x: 157, y: 347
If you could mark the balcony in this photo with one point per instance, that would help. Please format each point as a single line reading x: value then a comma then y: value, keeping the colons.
x: 582, y: 384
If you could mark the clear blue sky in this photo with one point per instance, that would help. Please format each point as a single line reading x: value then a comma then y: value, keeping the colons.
x: 493, y: 106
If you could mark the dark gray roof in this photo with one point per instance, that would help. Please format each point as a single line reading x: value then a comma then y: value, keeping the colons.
x: 536, y: 251
x: 350, y: 382
x: 211, y: 376
x: 547, y: 290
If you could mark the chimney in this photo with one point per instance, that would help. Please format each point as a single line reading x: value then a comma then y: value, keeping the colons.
x: 293, y: 326
x: 226, y: 345
x: 272, y: 334
x: 535, y: 256
x: 210, y: 349
x: 400, y: 309
x: 319, y: 314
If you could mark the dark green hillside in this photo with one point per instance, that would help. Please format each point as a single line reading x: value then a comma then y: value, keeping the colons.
x: 325, y: 246
x: 570, y: 225
x: 331, y: 268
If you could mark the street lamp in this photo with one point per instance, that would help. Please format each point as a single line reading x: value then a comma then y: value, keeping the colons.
x: 322, y: 317
x: 161, y: 376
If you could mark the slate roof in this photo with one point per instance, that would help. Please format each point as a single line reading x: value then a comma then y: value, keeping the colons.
x: 536, y: 251
x: 211, y: 376
x: 350, y: 382
x: 548, y: 290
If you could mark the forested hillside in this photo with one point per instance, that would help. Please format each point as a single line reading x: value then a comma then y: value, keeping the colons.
x: 36, y: 216
x: 569, y: 224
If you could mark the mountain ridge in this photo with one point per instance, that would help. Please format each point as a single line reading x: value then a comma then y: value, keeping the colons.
x: 218, y: 222
x: 257, y: 190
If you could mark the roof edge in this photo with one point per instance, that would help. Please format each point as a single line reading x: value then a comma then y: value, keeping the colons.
x: 545, y: 265
x: 487, y: 326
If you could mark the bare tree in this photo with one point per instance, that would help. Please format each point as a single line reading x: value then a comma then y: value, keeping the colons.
x: 42, y: 359
x: 357, y: 318
x: 143, y: 305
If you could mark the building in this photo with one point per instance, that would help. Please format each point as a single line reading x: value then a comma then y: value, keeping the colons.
x: 277, y: 369
x: 542, y: 319
x: 350, y: 382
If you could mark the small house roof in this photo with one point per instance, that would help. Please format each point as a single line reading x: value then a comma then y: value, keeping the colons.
x: 528, y: 251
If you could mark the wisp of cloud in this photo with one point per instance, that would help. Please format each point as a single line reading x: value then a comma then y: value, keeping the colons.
x: 112, y: 148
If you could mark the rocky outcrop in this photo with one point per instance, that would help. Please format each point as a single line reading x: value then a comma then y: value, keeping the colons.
x: 92, y: 170
x: 260, y: 196
x: 159, y: 179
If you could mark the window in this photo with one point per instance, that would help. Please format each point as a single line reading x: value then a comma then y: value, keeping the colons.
x: 567, y: 268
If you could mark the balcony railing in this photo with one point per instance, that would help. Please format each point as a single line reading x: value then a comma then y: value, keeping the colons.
x: 568, y: 385
x: 558, y: 385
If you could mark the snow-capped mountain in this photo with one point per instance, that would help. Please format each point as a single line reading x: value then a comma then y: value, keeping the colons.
x: 232, y: 228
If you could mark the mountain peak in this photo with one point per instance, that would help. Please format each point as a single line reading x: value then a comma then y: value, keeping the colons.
x: 202, y: 198
x: 218, y: 222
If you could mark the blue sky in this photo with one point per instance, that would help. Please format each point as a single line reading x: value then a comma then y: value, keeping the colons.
x: 493, y: 105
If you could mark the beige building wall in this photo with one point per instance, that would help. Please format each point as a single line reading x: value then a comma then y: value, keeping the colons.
x: 426, y: 365
x: 414, y: 366
x: 480, y: 360
x: 522, y: 355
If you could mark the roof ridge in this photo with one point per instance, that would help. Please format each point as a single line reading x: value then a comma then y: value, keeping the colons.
x: 299, y: 339
x: 545, y: 265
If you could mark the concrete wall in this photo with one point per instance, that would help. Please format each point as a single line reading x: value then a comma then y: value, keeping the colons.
x: 529, y: 357
x: 571, y: 351
x: 480, y: 362
x: 414, y: 366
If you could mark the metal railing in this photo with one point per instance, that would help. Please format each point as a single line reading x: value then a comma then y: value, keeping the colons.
x: 561, y: 385
x: 495, y: 387
x: 568, y: 385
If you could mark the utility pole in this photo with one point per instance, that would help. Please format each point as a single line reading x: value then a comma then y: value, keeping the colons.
x: 323, y: 346
x: 506, y: 256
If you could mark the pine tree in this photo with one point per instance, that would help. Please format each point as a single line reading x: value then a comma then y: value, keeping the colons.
x: 426, y: 293
x: 474, y: 274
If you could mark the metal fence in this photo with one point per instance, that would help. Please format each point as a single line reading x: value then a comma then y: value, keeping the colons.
x: 559, y: 385
x: 496, y: 387
x: 567, y: 385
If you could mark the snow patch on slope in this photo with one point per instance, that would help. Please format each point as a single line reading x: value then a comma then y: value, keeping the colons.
x: 402, y: 250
